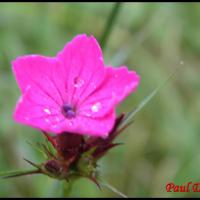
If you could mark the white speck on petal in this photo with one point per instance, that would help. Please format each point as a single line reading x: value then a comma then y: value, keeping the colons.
x: 46, y: 110
x: 78, y: 82
x: 96, y: 107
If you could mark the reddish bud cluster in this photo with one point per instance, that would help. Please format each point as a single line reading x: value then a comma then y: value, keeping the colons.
x: 75, y: 155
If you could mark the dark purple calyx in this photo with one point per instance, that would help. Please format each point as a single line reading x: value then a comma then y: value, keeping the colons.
x: 68, y: 111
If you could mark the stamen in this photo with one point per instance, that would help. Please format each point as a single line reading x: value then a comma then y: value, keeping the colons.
x: 68, y: 111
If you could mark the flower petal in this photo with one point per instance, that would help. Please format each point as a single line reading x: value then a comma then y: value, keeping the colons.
x: 118, y: 83
x: 83, y: 61
x: 44, y: 72
x: 99, y: 127
x: 37, y: 109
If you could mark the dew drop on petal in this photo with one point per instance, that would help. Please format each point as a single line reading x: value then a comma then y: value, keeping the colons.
x: 96, y: 107
x: 46, y: 110
x: 78, y: 82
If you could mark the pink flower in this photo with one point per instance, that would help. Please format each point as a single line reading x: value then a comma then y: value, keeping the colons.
x: 72, y: 92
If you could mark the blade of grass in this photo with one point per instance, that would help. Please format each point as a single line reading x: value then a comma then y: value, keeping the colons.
x: 109, y: 24
x: 16, y: 173
x: 144, y: 102
x: 113, y: 189
x: 126, y: 50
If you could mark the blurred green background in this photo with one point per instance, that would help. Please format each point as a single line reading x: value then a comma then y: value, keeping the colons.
x: 162, y: 145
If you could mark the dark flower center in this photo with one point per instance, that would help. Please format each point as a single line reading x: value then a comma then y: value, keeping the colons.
x: 68, y: 111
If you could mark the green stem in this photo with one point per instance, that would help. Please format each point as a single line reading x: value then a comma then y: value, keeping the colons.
x: 67, y: 188
x: 109, y: 24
